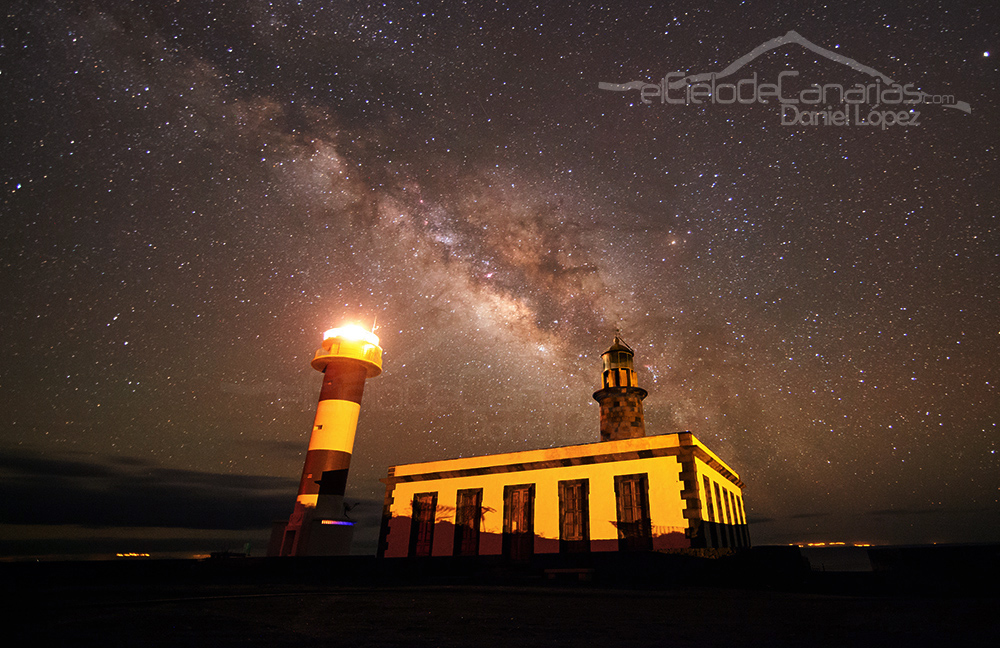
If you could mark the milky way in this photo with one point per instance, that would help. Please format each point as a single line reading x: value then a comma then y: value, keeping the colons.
x: 192, y: 194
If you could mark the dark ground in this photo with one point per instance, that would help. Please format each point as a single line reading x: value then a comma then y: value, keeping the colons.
x: 514, y: 616
x: 333, y: 602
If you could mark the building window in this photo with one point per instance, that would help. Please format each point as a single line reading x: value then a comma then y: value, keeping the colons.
x: 743, y: 532
x: 713, y: 537
x: 422, y: 524
x: 519, y: 522
x: 737, y: 535
x: 708, y: 498
x: 468, y: 514
x: 722, y: 519
x: 574, y: 515
x: 718, y: 503
x: 634, y: 528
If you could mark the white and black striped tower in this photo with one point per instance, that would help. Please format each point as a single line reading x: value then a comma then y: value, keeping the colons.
x: 620, y: 395
x: 318, y: 525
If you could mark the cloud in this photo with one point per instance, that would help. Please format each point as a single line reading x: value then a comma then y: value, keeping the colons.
x: 69, y: 490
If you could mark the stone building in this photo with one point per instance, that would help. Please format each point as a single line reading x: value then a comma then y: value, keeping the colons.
x: 627, y: 492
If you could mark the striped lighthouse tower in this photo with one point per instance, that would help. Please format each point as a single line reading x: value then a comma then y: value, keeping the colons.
x: 319, y: 525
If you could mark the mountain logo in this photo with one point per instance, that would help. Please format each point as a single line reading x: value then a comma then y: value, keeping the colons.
x: 799, y: 108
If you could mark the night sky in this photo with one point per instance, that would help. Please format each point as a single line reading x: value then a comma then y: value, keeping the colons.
x: 194, y: 191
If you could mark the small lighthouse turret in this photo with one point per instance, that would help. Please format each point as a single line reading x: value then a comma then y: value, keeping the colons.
x: 620, y: 395
x: 318, y: 525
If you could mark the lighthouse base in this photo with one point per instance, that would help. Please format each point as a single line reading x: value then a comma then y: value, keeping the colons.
x: 321, y: 530
x: 309, y: 533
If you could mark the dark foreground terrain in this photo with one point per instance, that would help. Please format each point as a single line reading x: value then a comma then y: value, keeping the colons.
x: 360, y: 602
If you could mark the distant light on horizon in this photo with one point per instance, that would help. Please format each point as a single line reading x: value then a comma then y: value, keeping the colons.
x: 832, y: 544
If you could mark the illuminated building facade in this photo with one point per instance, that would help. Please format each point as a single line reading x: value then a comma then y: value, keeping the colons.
x: 319, y: 525
x: 628, y: 492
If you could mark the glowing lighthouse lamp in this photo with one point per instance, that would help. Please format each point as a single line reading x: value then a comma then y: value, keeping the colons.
x: 319, y: 526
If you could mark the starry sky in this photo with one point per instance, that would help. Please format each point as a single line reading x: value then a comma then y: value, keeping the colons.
x: 194, y: 191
